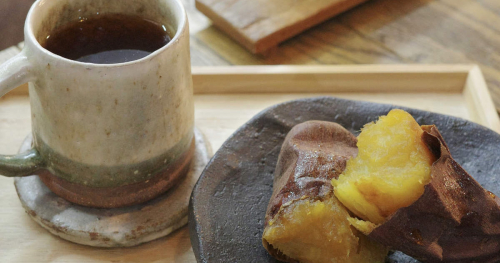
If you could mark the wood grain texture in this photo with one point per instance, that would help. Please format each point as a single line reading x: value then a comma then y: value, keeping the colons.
x: 376, y: 32
x: 260, y: 25
x: 379, y: 32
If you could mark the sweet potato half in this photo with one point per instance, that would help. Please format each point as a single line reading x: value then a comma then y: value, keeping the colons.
x: 410, y: 195
x: 304, y: 220
x: 397, y: 183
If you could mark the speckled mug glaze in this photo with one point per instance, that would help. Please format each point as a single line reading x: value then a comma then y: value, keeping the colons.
x: 105, y: 135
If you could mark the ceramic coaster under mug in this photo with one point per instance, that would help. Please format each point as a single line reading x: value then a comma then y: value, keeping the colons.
x: 115, y: 227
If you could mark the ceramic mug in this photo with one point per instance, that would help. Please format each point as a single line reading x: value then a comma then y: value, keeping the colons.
x: 105, y: 135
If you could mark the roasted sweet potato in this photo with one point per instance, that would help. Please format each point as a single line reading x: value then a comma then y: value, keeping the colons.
x: 304, y: 220
x: 390, y: 171
x: 439, y: 213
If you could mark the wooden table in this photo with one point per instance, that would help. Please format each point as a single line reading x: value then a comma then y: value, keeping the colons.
x: 380, y: 31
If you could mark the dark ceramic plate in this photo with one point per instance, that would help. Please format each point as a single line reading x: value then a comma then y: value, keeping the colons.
x: 228, y: 204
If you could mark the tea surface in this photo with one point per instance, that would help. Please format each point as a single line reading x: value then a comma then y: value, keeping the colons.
x: 107, y: 39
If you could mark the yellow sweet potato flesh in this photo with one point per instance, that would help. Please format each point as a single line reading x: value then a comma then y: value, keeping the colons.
x: 319, y: 231
x: 390, y: 171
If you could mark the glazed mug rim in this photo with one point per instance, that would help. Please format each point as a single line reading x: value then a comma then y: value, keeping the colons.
x: 29, y: 36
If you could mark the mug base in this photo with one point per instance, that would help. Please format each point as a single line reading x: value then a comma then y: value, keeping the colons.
x: 114, y: 227
x: 132, y: 194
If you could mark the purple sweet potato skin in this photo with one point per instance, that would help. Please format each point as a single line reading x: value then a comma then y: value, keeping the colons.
x: 455, y: 220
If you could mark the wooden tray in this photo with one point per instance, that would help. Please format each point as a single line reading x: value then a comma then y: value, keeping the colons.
x: 226, y: 97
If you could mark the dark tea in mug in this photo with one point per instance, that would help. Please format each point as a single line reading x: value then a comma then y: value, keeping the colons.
x: 107, y: 39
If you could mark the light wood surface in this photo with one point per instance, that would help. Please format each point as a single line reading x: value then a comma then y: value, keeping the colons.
x: 220, y: 109
x: 260, y: 25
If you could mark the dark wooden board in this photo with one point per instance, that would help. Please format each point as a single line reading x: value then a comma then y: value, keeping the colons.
x: 260, y: 25
x: 228, y: 204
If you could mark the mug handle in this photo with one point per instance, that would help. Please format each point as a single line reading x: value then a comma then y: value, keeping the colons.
x: 14, y: 72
